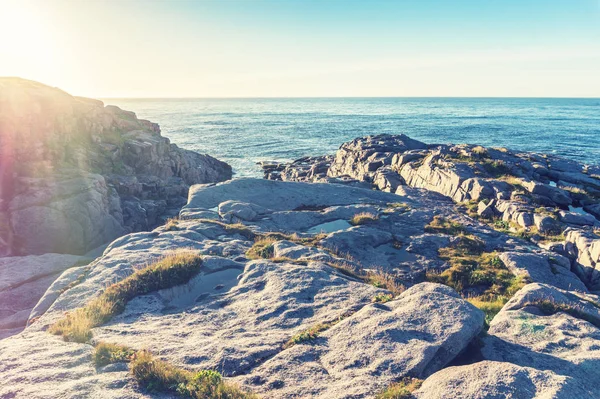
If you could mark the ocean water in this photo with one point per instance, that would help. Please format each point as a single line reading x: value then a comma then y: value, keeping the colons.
x: 243, y: 132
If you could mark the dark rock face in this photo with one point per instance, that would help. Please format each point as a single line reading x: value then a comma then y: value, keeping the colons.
x: 75, y: 174
x: 531, y: 192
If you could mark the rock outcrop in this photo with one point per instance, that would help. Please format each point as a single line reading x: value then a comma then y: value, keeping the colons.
x: 74, y: 175
x: 548, y: 198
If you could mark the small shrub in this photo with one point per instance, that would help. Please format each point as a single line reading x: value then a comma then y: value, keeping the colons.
x: 159, y: 376
x: 167, y: 272
x: 262, y: 249
x: 382, y: 298
x: 307, y: 335
x: 442, y: 225
x: 106, y: 353
x: 401, y: 390
x: 363, y: 218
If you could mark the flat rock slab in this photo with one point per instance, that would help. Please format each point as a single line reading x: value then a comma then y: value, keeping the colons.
x: 416, y: 334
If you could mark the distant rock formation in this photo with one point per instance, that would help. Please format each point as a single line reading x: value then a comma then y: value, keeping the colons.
x: 75, y: 174
x: 553, y: 201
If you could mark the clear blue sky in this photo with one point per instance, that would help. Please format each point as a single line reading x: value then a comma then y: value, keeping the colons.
x: 106, y: 48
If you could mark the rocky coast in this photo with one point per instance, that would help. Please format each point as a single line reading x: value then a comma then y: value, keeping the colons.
x: 391, y: 269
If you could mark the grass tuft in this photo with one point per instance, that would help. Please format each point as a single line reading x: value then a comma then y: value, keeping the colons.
x: 401, y: 390
x: 441, y: 225
x: 382, y: 298
x: 159, y: 376
x: 262, y: 249
x: 171, y: 224
x: 106, y: 353
x: 172, y: 270
x: 363, y: 218
x: 307, y: 335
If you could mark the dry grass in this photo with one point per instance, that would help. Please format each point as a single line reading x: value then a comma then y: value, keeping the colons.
x: 171, y: 224
x: 363, y: 218
x: 159, y: 376
x: 401, y: 390
x: 106, y: 353
x: 441, y: 225
x: 262, y: 248
x: 172, y: 270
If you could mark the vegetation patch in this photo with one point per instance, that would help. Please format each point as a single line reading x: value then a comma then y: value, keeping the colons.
x: 471, y: 269
x: 159, y: 376
x: 106, y: 353
x: 382, y: 298
x: 262, y: 249
x: 489, y: 305
x: 401, y: 390
x: 496, y: 168
x: 308, y: 335
x: 441, y: 225
x: 376, y: 277
x: 363, y: 218
x: 174, y: 269
x: 234, y: 228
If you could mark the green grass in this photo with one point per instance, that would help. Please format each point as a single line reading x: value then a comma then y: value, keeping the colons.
x: 441, y: 225
x: 401, y: 390
x: 307, y: 335
x: 174, y: 269
x: 363, y: 218
x: 262, y: 249
x: 489, y: 305
x: 496, y: 168
x: 470, y: 267
x: 106, y: 353
x: 382, y: 298
x: 158, y: 376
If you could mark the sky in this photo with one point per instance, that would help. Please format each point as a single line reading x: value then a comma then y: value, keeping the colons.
x: 305, y: 48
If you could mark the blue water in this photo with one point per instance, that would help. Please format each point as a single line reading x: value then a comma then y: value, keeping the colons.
x: 245, y: 131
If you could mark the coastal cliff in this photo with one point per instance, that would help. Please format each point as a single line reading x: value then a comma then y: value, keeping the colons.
x: 75, y: 175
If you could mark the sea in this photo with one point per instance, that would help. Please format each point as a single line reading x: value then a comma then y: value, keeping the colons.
x: 244, y: 132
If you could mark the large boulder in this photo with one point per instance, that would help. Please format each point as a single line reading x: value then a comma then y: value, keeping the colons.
x: 414, y: 335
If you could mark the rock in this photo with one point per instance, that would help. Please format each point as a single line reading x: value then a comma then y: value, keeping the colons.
x: 23, y: 281
x: 486, y: 210
x: 361, y: 157
x: 412, y: 335
x: 545, y: 328
x: 558, y: 196
x: 546, y: 224
x: 577, y: 218
x: 552, y: 269
x: 86, y: 173
x: 585, y: 248
x: 491, y: 380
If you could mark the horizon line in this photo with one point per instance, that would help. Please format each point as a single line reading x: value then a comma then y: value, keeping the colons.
x: 335, y: 97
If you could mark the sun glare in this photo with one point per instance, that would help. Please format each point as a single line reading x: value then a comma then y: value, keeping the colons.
x: 27, y: 35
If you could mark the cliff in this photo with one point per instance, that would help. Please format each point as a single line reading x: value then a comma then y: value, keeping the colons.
x: 75, y: 174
